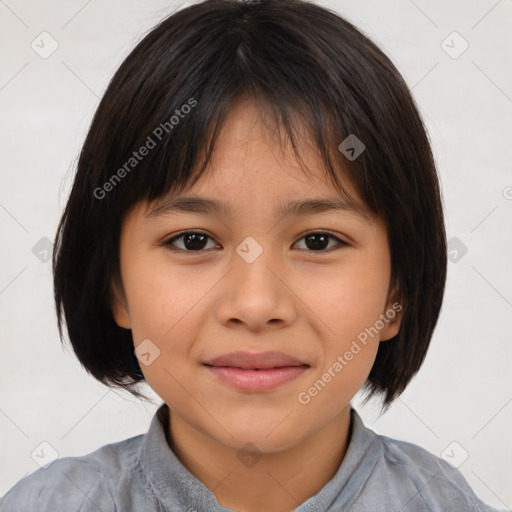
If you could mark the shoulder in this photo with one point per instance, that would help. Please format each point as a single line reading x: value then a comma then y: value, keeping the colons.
x: 428, y: 481
x: 85, y: 483
x: 70, y: 483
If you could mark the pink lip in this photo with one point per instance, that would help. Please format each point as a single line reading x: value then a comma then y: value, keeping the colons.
x: 256, y: 372
x: 255, y: 360
x: 254, y: 381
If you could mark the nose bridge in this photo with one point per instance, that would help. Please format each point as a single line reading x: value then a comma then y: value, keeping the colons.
x: 255, y: 295
x: 254, y: 259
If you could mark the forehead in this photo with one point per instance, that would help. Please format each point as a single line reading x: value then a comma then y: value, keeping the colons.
x: 252, y: 163
x: 251, y: 144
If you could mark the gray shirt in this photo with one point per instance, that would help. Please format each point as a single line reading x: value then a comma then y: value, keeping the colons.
x: 142, y: 473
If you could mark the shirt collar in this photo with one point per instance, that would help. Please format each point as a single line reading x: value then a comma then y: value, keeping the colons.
x: 178, y: 489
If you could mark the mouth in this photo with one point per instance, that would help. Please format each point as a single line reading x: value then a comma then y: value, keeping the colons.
x: 256, y: 372
x: 255, y: 360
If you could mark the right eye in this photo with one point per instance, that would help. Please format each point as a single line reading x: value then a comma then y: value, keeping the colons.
x: 191, y: 241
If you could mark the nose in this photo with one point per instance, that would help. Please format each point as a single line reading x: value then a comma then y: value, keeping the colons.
x: 256, y: 294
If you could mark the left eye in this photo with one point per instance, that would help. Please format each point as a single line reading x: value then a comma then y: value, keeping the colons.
x: 195, y: 241
x: 319, y: 241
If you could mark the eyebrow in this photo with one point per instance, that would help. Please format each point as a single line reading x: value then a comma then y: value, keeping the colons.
x: 204, y: 205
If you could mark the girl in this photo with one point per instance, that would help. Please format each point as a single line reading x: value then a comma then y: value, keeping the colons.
x: 255, y: 230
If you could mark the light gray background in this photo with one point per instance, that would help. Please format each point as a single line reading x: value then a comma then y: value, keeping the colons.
x: 463, y: 392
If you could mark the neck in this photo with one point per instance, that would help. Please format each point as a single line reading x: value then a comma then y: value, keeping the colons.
x: 274, y: 482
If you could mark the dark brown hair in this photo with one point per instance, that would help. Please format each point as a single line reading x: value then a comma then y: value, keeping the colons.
x: 308, y: 67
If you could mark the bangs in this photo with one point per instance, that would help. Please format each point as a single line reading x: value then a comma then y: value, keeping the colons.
x: 178, y: 129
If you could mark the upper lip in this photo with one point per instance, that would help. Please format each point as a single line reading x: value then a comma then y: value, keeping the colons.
x: 255, y: 360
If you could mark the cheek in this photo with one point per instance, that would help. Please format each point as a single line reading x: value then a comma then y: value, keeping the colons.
x: 348, y: 299
x: 163, y: 309
x: 167, y: 307
x: 348, y: 305
x: 160, y: 297
x: 347, y: 356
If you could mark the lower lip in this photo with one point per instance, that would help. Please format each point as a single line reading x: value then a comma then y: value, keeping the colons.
x: 255, y: 381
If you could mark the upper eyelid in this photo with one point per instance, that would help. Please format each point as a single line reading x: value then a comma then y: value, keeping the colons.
x: 182, y: 233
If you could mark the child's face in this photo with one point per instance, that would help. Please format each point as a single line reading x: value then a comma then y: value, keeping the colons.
x: 308, y: 298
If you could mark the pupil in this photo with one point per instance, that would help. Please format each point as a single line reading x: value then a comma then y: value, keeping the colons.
x: 324, y: 242
x: 194, y: 241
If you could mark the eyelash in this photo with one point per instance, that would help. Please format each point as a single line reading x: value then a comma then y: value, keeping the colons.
x: 169, y: 243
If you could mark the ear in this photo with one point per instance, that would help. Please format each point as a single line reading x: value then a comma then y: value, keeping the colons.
x: 118, y: 305
x: 392, y: 315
